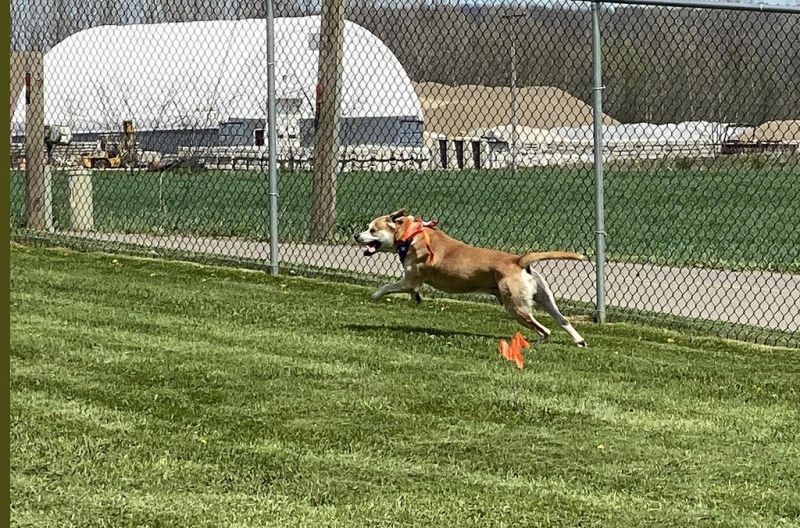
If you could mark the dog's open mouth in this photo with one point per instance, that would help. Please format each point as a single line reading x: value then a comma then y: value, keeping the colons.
x: 371, y: 248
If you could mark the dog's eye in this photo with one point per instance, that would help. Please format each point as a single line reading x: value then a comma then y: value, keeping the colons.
x: 372, y: 230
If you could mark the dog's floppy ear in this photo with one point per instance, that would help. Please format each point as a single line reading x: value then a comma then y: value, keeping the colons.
x: 400, y: 213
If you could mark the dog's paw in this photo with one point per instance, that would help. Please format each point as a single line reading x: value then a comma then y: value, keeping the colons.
x: 582, y: 344
x: 417, y: 297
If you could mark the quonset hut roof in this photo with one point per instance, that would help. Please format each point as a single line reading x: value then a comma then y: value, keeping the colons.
x: 195, y: 74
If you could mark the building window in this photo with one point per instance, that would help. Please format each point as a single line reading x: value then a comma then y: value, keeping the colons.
x: 259, y: 137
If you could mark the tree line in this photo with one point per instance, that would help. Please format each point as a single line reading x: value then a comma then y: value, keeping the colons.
x: 660, y: 64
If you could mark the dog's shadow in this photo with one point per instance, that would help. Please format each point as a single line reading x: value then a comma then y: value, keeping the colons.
x: 402, y: 329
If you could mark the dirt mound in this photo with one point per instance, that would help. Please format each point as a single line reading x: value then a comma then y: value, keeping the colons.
x: 455, y: 110
x: 774, y: 131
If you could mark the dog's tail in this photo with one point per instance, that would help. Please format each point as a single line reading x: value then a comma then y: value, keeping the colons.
x: 529, y: 258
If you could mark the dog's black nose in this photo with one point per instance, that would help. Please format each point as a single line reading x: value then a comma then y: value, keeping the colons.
x: 355, y: 237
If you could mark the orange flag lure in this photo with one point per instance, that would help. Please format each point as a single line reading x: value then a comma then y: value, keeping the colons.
x: 513, y: 351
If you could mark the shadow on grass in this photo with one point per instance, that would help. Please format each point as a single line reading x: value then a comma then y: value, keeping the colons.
x: 402, y: 329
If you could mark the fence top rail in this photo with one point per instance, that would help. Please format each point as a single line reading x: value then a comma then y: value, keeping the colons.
x: 709, y: 4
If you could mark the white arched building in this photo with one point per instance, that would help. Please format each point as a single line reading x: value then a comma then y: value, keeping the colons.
x: 193, y: 76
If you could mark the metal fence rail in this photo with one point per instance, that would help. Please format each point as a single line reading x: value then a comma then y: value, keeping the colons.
x: 660, y: 138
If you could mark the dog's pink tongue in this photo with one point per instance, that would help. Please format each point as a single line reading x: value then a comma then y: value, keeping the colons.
x: 370, y: 250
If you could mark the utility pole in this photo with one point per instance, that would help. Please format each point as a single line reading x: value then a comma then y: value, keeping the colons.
x: 326, y: 139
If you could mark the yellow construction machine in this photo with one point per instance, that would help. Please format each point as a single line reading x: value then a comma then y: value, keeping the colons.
x: 112, y: 151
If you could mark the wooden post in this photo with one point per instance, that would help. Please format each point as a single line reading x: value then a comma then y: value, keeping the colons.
x: 37, y: 178
x: 326, y: 140
x: 18, y: 70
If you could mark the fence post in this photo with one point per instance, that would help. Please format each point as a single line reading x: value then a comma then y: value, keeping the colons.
x: 273, y: 142
x: 326, y: 144
x: 597, y: 121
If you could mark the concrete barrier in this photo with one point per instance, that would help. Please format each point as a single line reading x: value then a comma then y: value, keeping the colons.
x: 81, y: 202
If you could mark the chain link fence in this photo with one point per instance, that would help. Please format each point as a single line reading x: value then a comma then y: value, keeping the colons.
x: 141, y: 126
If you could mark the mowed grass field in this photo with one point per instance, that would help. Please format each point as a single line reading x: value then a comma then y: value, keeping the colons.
x: 726, y: 217
x: 147, y: 393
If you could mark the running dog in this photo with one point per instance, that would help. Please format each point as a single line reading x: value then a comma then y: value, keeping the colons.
x: 431, y: 257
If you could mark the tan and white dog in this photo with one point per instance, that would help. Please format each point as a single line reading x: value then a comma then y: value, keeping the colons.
x: 431, y: 257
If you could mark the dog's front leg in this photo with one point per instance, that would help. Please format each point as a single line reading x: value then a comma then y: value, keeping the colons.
x: 402, y: 286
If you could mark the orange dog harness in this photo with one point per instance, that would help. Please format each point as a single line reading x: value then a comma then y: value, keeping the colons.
x: 412, y: 229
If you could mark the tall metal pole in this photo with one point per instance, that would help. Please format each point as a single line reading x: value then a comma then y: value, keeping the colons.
x: 512, y: 36
x: 597, y: 121
x: 514, y: 102
x: 273, y: 142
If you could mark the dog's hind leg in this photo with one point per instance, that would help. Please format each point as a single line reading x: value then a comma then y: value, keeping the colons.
x: 543, y: 296
x: 515, y: 296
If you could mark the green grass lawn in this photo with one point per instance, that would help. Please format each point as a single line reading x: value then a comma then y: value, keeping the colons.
x: 147, y: 393
x: 721, y: 216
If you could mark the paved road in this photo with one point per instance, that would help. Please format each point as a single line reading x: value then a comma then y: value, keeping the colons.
x: 764, y: 299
